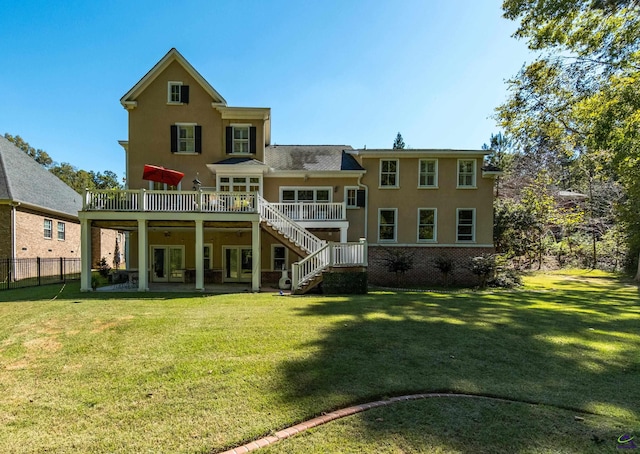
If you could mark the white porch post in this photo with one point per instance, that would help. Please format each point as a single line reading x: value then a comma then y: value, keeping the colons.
x: 343, y: 234
x: 85, y: 255
x: 143, y: 255
x: 256, y: 260
x: 199, y: 255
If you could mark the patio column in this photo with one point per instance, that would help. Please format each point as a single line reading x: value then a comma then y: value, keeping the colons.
x: 143, y: 256
x: 85, y: 255
x: 256, y: 278
x: 199, y: 255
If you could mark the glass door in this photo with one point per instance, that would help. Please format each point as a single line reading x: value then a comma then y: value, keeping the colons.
x: 238, y: 264
x: 167, y: 263
x: 158, y: 264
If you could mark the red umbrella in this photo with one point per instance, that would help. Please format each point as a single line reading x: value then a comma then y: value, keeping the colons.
x: 161, y: 175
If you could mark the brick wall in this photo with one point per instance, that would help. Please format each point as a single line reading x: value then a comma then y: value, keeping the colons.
x: 30, y: 240
x: 5, y: 231
x: 103, y: 244
x: 424, y: 272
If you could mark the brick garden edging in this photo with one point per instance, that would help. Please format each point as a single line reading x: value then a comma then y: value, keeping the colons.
x: 325, y: 418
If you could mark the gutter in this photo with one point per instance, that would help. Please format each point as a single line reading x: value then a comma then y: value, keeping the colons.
x: 366, y: 205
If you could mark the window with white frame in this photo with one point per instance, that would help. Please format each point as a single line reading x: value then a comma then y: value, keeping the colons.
x: 48, y: 228
x: 426, y: 225
x: 428, y: 173
x: 387, y: 224
x: 186, y: 138
x: 241, y: 139
x: 388, y: 173
x: 239, y: 184
x: 305, y: 195
x: 466, y: 173
x: 351, y: 196
x: 278, y: 257
x: 177, y: 93
x: 61, y: 228
x: 466, y: 225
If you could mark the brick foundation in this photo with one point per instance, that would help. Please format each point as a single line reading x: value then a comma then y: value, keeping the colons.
x: 424, y: 271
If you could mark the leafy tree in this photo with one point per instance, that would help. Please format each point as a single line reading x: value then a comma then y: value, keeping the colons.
x: 582, y: 96
x: 40, y: 156
x: 501, y: 156
x: 398, y: 143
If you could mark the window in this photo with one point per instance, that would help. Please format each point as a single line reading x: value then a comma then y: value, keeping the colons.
x: 61, y: 231
x: 389, y: 173
x: 466, y: 219
x: 206, y: 256
x: 466, y: 173
x: 426, y: 224
x: 387, y: 224
x: 48, y: 228
x: 239, y: 184
x: 186, y: 138
x: 241, y: 139
x: 306, y: 195
x: 354, y: 196
x: 278, y: 258
x: 428, y: 173
x: 177, y: 93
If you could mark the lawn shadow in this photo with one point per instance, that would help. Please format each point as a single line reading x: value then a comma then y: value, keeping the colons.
x: 577, y: 350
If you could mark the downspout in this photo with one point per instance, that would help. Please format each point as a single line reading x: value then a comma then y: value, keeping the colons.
x: 366, y: 206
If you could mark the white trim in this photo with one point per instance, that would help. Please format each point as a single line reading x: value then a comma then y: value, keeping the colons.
x: 172, y: 83
x: 433, y: 245
x: 435, y: 226
x: 395, y: 225
x: 473, y: 225
x: 286, y: 256
x: 239, y: 126
x: 397, y: 174
x: 346, y: 198
x: 435, y: 177
x: 44, y: 230
x: 193, y: 130
x: 473, y: 184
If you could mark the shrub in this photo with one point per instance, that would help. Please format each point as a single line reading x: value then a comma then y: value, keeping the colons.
x: 103, y: 267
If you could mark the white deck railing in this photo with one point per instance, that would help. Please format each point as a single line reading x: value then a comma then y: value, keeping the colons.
x: 170, y: 201
x: 330, y: 255
x: 300, y: 236
x: 313, y: 211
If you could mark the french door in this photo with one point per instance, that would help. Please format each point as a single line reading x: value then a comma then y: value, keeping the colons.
x: 167, y: 263
x: 237, y: 263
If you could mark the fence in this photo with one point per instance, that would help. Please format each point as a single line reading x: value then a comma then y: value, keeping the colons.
x: 18, y: 273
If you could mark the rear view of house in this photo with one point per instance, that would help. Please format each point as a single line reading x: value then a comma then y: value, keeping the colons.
x: 238, y: 208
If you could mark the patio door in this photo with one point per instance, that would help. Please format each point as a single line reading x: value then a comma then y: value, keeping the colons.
x: 167, y: 263
x: 237, y: 263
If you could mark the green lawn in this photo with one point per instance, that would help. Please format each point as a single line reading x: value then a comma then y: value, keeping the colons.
x: 184, y: 373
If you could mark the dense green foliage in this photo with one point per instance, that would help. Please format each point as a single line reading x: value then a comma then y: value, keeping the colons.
x: 574, y: 112
x: 77, y: 179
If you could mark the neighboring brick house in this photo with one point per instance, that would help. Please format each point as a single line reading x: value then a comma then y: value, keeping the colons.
x: 247, y: 208
x: 39, y: 212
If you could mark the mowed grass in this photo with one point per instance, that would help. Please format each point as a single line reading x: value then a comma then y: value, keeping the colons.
x: 198, y: 374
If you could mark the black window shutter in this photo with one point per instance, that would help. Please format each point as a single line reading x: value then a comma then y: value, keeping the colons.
x: 360, y: 197
x: 198, y: 134
x: 174, y: 139
x: 229, y: 135
x: 252, y: 139
x: 184, y: 94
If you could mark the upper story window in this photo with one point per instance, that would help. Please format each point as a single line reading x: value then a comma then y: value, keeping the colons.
x: 61, y: 228
x: 305, y: 195
x: 354, y: 197
x: 177, y: 93
x: 241, y: 139
x: 186, y: 138
x: 388, y: 173
x: 428, y: 173
x: 48, y: 228
x: 466, y: 173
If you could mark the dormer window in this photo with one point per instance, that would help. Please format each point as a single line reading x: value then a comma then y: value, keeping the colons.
x: 177, y: 93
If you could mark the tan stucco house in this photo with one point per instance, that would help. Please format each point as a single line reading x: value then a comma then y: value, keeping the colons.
x: 246, y: 208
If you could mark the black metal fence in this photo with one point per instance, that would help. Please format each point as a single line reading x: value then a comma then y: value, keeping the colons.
x: 18, y: 273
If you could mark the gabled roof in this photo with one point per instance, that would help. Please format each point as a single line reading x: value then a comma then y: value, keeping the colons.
x: 170, y: 57
x: 25, y: 181
x: 310, y: 158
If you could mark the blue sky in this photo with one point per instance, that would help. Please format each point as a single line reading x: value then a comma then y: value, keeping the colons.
x: 332, y: 71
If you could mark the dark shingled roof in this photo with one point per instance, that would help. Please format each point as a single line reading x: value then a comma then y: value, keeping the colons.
x: 23, y: 180
x: 310, y: 158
